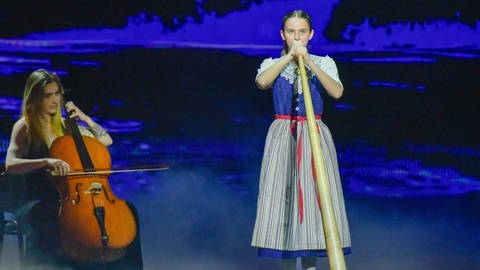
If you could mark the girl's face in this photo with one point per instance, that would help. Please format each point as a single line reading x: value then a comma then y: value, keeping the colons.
x: 296, y: 29
x: 51, y: 98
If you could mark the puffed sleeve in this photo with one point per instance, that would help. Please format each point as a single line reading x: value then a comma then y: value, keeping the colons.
x: 327, y: 64
x: 268, y: 62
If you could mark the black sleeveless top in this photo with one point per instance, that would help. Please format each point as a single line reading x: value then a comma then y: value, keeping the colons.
x: 37, y: 185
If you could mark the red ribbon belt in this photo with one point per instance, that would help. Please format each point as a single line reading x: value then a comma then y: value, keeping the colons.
x: 294, y: 121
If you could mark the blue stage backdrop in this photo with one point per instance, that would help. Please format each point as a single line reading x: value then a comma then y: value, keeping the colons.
x: 173, y: 82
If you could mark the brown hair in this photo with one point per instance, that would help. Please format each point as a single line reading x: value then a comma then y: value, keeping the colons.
x: 32, y: 103
x: 298, y: 13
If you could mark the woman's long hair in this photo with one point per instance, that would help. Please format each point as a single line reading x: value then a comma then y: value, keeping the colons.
x: 32, y: 105
x: 298, y: 13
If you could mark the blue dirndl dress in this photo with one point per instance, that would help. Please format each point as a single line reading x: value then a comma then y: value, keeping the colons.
x: 288, y: 222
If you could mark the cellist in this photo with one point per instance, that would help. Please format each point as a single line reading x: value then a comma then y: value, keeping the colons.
x: 40, y: 124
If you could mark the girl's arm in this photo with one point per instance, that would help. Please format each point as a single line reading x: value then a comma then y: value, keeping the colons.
x: 333, y: 88
x: 265, y: 79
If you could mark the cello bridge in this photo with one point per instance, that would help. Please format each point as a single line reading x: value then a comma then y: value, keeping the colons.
x: 94, y: 189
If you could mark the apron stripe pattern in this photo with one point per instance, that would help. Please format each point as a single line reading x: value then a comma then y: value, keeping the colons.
x: 278, y: 225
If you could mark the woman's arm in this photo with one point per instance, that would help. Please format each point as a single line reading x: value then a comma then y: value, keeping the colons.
x: 97, y: 131
x: 16, y: 164
x: 94, y: 129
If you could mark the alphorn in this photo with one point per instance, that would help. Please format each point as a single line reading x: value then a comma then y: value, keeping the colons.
x: 336, y: 260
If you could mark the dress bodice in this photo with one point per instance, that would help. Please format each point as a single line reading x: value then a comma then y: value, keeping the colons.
x: 288, y: 98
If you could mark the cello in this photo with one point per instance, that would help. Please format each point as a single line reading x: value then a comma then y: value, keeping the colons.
x: 95, y: 226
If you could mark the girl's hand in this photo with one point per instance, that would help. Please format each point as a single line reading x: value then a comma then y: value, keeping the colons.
x: 57, y: 166
x: 298, y: 48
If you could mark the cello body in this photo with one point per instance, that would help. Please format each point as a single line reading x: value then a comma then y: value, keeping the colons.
x: 95, y: 225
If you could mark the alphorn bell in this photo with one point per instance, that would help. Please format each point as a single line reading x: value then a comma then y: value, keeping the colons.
x: 336, y: 260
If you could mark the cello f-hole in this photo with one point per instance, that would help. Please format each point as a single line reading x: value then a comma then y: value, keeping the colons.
x: 77, y: 186
x: 108, y: 198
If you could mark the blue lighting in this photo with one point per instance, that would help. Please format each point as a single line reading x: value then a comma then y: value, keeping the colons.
x: 345, y: 106
x: 258, y: 33
x: 86, y: 63
x: 389, y: 85
x: 367, y: 170
x: 10, y: 104
x: 254, y: 33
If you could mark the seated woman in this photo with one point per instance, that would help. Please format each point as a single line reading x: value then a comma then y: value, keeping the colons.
x: 28, y: 154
